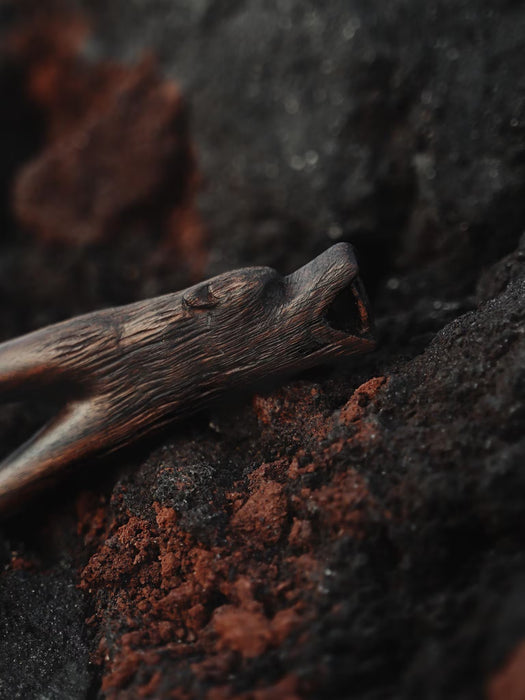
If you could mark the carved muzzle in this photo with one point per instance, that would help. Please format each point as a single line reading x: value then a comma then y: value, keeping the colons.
x: 329, y: 293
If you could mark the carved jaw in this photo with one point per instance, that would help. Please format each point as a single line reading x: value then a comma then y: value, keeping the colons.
x: 329, y: 292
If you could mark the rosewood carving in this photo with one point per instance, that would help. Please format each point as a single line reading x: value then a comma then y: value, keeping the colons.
x: 129, y: 370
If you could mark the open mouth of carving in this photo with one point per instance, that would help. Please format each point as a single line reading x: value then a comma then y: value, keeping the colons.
x: 347, y: 311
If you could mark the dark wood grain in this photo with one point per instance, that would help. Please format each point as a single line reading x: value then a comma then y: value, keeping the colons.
x: 131, y: 369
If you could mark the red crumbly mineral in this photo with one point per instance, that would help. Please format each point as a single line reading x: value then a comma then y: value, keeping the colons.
x: 227, y: 601
x: 118, y: 151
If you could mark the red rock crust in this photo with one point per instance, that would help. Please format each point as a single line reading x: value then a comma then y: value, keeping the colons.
x: 160, y: 593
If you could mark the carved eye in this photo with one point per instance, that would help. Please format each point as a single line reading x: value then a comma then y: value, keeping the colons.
x: 200, y: 298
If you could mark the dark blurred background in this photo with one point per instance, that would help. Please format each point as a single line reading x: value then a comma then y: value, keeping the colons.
x: 147, y: 145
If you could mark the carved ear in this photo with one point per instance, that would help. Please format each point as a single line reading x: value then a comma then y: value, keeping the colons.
x: 201, y: 297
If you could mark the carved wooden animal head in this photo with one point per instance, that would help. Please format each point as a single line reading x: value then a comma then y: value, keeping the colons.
x: 131, y: 369
x: 292, y: 322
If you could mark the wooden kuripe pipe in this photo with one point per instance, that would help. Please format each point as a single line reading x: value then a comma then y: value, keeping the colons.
x: 131, y: 369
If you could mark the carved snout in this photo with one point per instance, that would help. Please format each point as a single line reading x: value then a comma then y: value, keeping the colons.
x: 330, y: 288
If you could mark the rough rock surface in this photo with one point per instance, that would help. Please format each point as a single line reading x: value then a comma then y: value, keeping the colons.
x: 358, y: 531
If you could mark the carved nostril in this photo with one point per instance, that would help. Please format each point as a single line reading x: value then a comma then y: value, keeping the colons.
x: 348, y: 312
